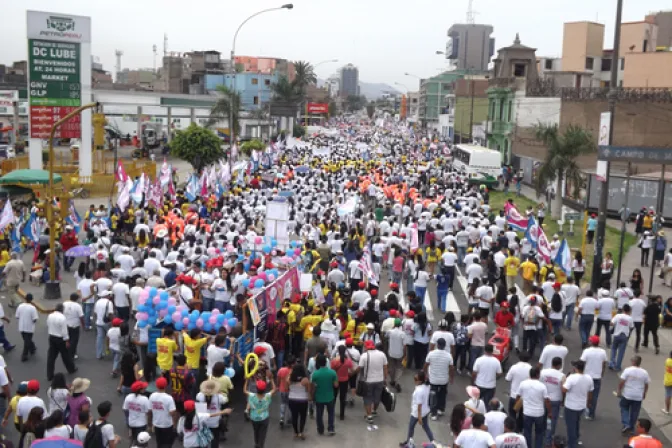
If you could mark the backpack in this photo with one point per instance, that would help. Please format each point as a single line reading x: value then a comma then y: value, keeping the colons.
x: 660, y: 244
x: 531, y: 317
x: 94, y: 436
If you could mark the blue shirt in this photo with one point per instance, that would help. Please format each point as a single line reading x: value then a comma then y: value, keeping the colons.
x: 442, y: 282
x: 258, y: 406
x: 592, y: 224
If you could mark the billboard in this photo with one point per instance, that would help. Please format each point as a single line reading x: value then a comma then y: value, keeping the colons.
x: 318, y: 108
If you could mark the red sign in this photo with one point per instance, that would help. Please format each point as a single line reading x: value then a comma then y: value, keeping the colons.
x: 318, y: 108
x: 42, y: 118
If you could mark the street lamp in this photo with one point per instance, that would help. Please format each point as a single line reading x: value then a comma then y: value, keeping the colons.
x: 232, y: 131
x: 402, y: 85
x: 324, y: 62
x: 411, y: 74
x: 439, y: 52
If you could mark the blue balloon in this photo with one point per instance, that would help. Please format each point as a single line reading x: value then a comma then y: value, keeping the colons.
x: 207, y: 327
x: 142, y: 308
x: 246, y: 283
x: 258, y: 283
x: 164, y: 295
x: 220, y: 318
x: 185, y: 312
x: 205, y: 315
x: 142, y: 323
x: 267, y: 249
x: 230, y: 372
x: 152, y: 321
x: 172, y: 309
x: 246, y: 267
x: 152, y: 312
x: 228, y: 314
x: 168, y: 319
x: 178, y: 326
x: 191, y: 326
x: 292, y: 243
x: 152, y: 292
x: 274, y: 242
x: 162, y: 305
x: 232, y: 322
x: 241, y: 257
x: 193, y: 317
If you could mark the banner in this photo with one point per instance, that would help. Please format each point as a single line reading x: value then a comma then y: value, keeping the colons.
x: 269, y: 301
x: 318, y: 108
x: 515, y: 219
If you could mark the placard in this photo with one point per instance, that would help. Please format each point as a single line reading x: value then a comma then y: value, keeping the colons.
x: 318, y: 294
x: 277, y: 210
x: 306, y: 282
x: 254, y: 311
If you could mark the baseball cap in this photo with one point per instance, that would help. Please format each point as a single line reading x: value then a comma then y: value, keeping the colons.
x: 594, y: 339
x: 189, y: 405
x: 370, y: 326
x: 397, y: 322
x: 393, y: 313
x: 261, y: 386
x: 259, y: 350
x: 532, y: 299
x: 117, y: 321
x: 361, y: 285
x: 557, y: 285
x: 138, y: 386
x: 33, y: 386
x: 410, y: 314
x: 161, y: 383
x: 349, y: 342
x: 347, y: 335
x: 369, y: 345
x: 504, y: 304
x: 144, y: 437
x: 374, y: 292
x: 604, y: 293
x: 394, y: 286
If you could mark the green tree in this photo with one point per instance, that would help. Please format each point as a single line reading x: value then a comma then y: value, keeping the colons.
x: 248, y: 146
x: 355, y: 102
x: 198, y: 146
x: 285, y: 91
x: 298, y: 131
x: 222, y: 108
x: 304, y: 76
x: 333, y: 109
x: 563, y: 149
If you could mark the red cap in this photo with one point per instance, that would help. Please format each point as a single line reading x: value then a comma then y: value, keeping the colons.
x: 334, y: 264
x: 189, y: 405
x: 347, y: 335
x: 296, y: 298
x: 161, y: 383
x: 374, y: 292
x: 261, y: 386
x: 116, y: 322
x: 33, y: 385
x: 594, y: 339
x: 504, y: 304
x: 138, y: 386
x: 360, y: 314
x: 557, y: 285
x: 257, y: 262
x: 410, y: 314
x: 369, y: 345
x: 362, y: 285
x: 403, y: 235
x: 259, y: 350
x: 349, y: 342
x: 393, y: 313
x: 394, y: 286
x: 394, y: 233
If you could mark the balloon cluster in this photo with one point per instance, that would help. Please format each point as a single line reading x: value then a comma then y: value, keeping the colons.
x: 154, y: 305
x: 261, y: 279
x: 293, y: 254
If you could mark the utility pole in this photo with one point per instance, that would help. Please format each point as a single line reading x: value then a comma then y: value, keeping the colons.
x: 471, y: 112
x: 604, y: 193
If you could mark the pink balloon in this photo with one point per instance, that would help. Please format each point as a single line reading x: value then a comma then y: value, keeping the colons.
x: 258, y: 240
x: 181, y: 307
x: 177, y: 316
x: 185, y: 321
x: 230, y: 248
x: 163, y: 313
x: 271, y: 277
x: 142, y: 316
x: 274, y: 253
x: 262, y: 275
x: 213, y: 320
x: 297, y: 251
x: 199, y: 322
x: 172, y: 301
x: 156, y: 300
x: 144, y: 293
x: 215, y: 312
x: 142, y: 300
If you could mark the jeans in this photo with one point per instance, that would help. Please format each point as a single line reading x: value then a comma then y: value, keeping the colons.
x: 88, y: 312
x: 592, y: 406
x: 440, y: 392
x: 538, y: 424
x: 396, y: 277
x: 442, y: 294
x: 530, y: 337
x: 67, y: 262
x: 474, y: 353
x: 116, y: 360
x: 638, y: 333
x: 569, y: 316
x: 284, y: 400
x: 604, y: 323
x: 208, y: 303
x: 461, y: 252
x: 164, y: 437
x: 425, y: 426
x: 409, y: 283
x: 7, y: 345
x: 319, y: 416
x: 487, y: 394
x: 461, y: 357
x: 260, y: 428
x: 342, y: 390
x: 630, y: 412
x: 450, y: 272
x: 279, y: 358
x: 419, y: 354
x: 573, y: 423
x: 101, y: 332
x: 420, y: 292
x: 557, y: 326
x: 618, y: 351
x: 124, y: 312
x: 585, y: 325
x: 299, y: 410
x: 653, y: 329
x: 73, y: 334
x: 550, y: 432
x: 28, y: 345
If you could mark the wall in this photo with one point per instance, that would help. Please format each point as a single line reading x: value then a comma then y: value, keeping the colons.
x: 664, y: 21
x: 463, y: 112
x: 530, y: 111
x: 634, y: 33
x: 648, y: 70
x: 579, y: 40
x: 244, y: 85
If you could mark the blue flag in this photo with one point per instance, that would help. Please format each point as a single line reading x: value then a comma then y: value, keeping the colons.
x: 532, y: 232
x: 15, y: 235
x: 73, y: 217
x: 563, y: 258
x: 31, y: 229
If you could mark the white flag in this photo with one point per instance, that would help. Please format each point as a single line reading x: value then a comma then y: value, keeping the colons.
x: 124, y: 195
x: 7, y: 216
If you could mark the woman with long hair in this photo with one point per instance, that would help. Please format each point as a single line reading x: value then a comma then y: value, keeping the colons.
x: 58, y: 393
x: 223, y: 292
x: 420, y: 408
x: 128, y: 374
x: 421, y: 281
x: 459, y: 420
x: 433, y: 255
x: 578, y: 267
x: 298, y: 383
x: 137, y: 405
x: 142, y: 239
x: 54, y: 426
x: 422, y: 333
x: 33, y: 428
x: 344, y: 368
x: 636, y: 281
x: 191, y: 423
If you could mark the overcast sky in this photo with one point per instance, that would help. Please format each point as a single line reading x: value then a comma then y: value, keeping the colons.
x: 384, y: 38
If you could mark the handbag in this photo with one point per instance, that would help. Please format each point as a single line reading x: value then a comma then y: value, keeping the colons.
x: 361, y: 381
x: 389, y: 400
x: 204, y: 434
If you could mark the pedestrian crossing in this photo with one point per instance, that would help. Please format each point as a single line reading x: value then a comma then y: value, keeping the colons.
x: 464, y: 286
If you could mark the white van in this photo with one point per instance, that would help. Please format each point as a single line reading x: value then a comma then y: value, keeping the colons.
x: 472, y: 159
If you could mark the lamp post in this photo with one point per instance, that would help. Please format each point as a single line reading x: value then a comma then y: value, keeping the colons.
x: 232, y: 131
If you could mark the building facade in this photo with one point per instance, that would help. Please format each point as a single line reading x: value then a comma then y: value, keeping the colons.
x: 349, y: 81
x: 470, y: 46
x: 436, y: 97
x: 464, y: 119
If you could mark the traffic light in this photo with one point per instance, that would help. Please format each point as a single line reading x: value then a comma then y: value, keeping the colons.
x: 98, y: 131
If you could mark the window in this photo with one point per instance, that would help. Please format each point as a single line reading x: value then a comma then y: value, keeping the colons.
x: 606, y: 65
x: 256, y: 100
x: 589, y: 63
x: 491, y: 107
x: 510, y: 109
x: 646, y: 45
x: 255, y: 81
x: 267, y: 82
x: 623, y: 64
x: 548, y: 64
x: 519, y: 70
x: 501, y: 110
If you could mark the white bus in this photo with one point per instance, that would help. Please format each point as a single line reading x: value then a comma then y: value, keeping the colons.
x: 472, y: 159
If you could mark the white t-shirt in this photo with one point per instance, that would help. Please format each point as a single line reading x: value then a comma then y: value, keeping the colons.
x: 439, y: 365
x: 445, y: 335
x: 137, y: 407
x: 376, y: 361
x: 421, y: 279
x: 162, y: 404
x: 449, y: 259
x: 191, y: 436
x: 215, y: 354
x: 484, y: 292
x: 533, y: 393
x: 578, y: 386
x: 420, y: 397
x: 26, y: 315
x: 553, y: 380
x: 635, y: 379
x: 518, y: 373
x: 216, y: 403
x: 571, y: 293
x: 474, y: 438
x: 102, y: 308
x: 73, y: 312
x: 637, y: 306
x: 121, y: 291
x: 26, y: 404
x: 477, y: 330
x: 60, y: 431
x: 474, y: 271
x: 84, y: 288
x: 622, y: 324
x: 551, y: 351
x: 510, y: 440
x: 594, y: 357
x: 494, y: 420
x: 531, y: 317
x: 623, y: 296
x: 58, y: 399
x: 588, y: 305
x: 605, y: 306
x: 113, y: 334
x: 103, y: 284
x: 487, y: 368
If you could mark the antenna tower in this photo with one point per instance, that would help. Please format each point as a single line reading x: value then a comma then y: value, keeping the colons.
x: 118, y: 54
x: 154, y: 51
x: 165, y: 44
x: 470, y: 13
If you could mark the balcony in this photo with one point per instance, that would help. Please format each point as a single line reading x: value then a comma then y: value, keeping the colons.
x: 499, y: 127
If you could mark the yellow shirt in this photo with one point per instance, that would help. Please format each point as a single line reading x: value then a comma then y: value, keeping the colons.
x: 4, y: 258
x: 291, y: 319
x: 164, y: 352
x: 307, y: 324
x: 668, y: 373
x: 512, y: 264
x: 225, y: 384
x: 529, y: 269
x: 12, y: 404
x: 433, y: 254
x: 192, y: 350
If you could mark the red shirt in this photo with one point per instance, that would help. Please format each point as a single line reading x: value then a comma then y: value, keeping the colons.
x: 342, y: 370
x: 282, y: 374
x: 504, y: 320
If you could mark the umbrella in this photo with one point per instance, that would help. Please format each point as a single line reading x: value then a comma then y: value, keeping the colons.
x: 302, y: 169
x: 56, y: 442
x: 78, y: 251
x: 286, y: 193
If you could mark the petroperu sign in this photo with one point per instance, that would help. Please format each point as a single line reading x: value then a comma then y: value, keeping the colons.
x: 59, y: 27
x: 318, y: 108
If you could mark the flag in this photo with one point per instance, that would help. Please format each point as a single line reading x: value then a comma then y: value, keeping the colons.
x: 192, y: 188
x: 155, y: 194
x: 171, y: 190
x: 15, y: 236
x: 138, y: 189
x: 73, y: 217
x: 366, y: 266
x: 544, y: 247
x: 532, y: 232
x: 7, y: 216
x: 32, y: 228
x: 124, y: 197
x: 165, y: 173
x: 224, y: 172
x: 121, y: 172
x: 514, y: 219
x: 563, y: 258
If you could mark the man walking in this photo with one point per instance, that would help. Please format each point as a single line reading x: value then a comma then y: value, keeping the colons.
x: 13, y: 274
x: 643, y: 439
x: 395, y: 353
x: 596, y: 363
x: 26, y: 316
x: 74, y: 318
x: 373, y: 365
x: 622, y: 327
x: 518, y: 373
x: 59, y: 342
x: 324, y: 382
x: 652, y: 314
x: 587, y: 307
x: 578, y: 388
x: 440, y: 369
x: 3, y: 338
x: 632, y: 390
x: 487, y: 369
x: 536, y: 403
x: 553, y: 378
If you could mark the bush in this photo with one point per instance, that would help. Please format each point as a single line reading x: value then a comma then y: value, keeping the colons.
x: 198, y: 146
x: 299, y: 131
x: 249, y: 146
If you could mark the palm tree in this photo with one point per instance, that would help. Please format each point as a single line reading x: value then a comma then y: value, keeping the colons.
x: 304, y: 76
x: 285, y: 91
x: 222, y: 108
x: 560, y: 163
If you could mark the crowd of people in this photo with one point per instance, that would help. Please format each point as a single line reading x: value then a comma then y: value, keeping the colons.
x: 416, y: 223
